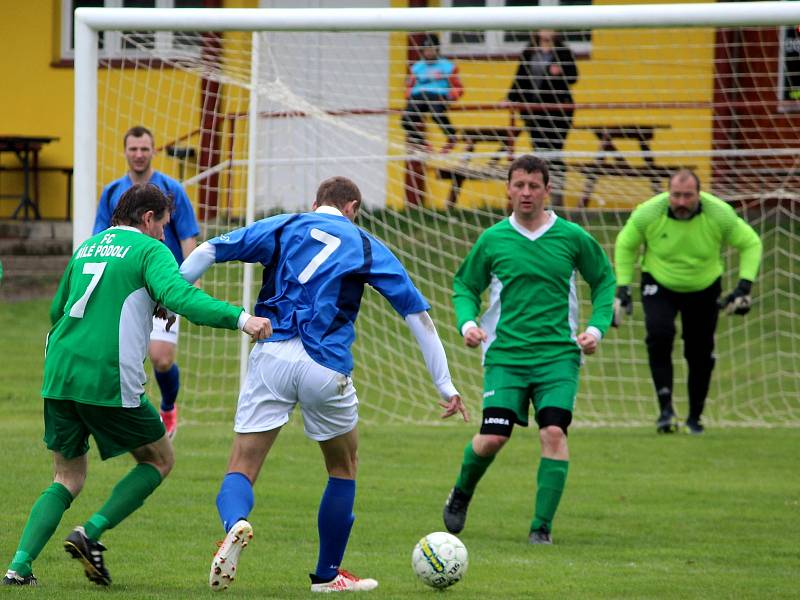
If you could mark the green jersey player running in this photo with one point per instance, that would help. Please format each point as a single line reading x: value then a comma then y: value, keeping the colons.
x: 94, y: 374
x: 531, y: 345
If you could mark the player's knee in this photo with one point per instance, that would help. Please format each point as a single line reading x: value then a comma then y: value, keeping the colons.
x: 73, y: 481
x: 161, y: 363
x: 553, y: 421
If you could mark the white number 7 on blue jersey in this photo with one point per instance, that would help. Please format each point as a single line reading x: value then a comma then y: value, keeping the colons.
x: 331, y: 244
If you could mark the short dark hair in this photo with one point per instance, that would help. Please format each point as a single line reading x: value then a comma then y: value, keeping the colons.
x: 137, y: 131
x: 338, y: 191
x: 683, y: 174
x: 530, y: 164
x: 138, y: 200
x: 431, y: 40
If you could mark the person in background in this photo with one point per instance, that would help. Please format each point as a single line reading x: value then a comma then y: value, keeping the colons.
x: 545, y: 74
x: 180, y: 236
x: 431, y: 86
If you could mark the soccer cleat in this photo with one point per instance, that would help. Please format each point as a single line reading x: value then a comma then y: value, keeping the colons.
x: 12, y: 578
x: 667, y: 422
x: 344, y: 582
x: 455, y: 510
x: 223, y: 567
x: 540, y: 536
x: 170, y: 420
x: 695, y: 427
x: 90, y: 554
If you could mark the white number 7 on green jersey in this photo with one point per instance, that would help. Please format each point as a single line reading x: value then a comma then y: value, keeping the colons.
x: 96, y: 271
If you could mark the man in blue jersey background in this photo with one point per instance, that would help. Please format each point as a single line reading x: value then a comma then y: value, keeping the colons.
x: 180, y: 236
x: 316, y: 265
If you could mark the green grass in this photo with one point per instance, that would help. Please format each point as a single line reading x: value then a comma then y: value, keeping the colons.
x: 643, y: 516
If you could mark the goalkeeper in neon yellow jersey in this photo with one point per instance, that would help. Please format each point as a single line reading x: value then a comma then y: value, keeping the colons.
x: 529, y: 334
x: 683, y: 232
x: 94, y: 378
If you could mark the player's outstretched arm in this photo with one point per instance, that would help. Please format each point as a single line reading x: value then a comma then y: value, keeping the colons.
x: 427, y: 337
x: 198, y: 262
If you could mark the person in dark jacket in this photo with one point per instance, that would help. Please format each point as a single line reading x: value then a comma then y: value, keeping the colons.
x: 545, y: 74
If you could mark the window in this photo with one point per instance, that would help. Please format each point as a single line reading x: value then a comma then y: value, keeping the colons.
x: 789, y: 69
x: 507, y: 42
x: 131, y: 44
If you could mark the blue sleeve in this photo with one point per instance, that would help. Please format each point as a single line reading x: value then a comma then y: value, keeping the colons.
x: 102, y: 219
x: 255, y: 243
x: 390, y: 278
x: 183, y: 218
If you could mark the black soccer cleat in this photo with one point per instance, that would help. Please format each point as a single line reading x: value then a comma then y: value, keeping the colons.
x: 455, y: 510
x: 695, y: 427
x: 540, y: 536
x: 90, y: 554
x: 12, y: 578
x: 667, y: 422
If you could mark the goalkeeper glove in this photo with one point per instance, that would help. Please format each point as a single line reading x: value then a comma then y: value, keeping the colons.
x: 623, y: 305
x: 738, y: 301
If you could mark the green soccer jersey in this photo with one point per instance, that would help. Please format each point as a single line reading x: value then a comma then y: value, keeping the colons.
x: 102, y: 317
x: 685, y: 255
x: 532, y: 317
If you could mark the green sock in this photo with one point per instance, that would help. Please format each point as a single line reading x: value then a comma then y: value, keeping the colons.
x: 128, y: 495
x: 472, y: 469
x: 45, y: 516
x: 550, y: 482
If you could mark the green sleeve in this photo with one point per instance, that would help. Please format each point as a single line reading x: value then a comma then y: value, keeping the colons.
x: 62, y: 294
x: 626, y: 251
x: 595, y: 268
x: 472, y: 277
x: 167, y: 287
x: 746, y: 241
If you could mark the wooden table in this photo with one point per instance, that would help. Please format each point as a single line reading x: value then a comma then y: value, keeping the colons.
x: 26, y: 148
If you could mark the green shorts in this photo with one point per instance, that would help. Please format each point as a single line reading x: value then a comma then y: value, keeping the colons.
x: 116, y: 430
x: 515, y: 388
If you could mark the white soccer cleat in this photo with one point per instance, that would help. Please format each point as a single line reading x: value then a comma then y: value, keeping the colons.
x: 223, y: 567
x: 345, y: 582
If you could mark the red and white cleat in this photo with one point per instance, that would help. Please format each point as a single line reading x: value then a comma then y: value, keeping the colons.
x: 223, y: 567
x: 345, y: 582
x: 170, y: 420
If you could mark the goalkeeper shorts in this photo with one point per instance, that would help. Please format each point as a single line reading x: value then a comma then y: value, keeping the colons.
x: 517, y: 387
x: 281, y: 375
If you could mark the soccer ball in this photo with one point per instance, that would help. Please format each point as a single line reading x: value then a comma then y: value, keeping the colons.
x: 439, y: 559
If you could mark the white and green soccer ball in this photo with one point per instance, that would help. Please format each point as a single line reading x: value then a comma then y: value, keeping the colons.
x: 440, y: 559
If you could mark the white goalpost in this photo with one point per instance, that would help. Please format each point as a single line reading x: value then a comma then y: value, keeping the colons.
x: 252, y: 108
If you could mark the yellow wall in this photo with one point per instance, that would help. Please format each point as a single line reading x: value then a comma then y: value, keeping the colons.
x: 611, y: 63
x: 38, y: 100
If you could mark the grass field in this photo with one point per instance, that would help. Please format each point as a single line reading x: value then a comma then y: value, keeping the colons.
x: 643, y: 516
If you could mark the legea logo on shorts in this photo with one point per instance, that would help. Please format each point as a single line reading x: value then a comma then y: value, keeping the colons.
x: 488, y: 394
x: 650, y: 290
x: 495, y: 421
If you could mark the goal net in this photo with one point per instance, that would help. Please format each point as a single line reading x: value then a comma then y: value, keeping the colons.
x: 251, y: 123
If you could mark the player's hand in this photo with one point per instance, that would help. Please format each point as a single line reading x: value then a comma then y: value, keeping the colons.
x: 623, y: 305
x: 453, y: 405
x: 474, y: 336
x: 588, y: 342
x: 738, y: 302
x: 258, y: 328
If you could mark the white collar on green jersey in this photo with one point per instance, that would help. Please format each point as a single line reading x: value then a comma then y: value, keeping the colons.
x: 534, y: 235
x: 329, y: 210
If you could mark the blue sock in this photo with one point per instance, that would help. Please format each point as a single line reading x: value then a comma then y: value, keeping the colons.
x: 334, y: 522
x: 235, y: 499
x: 169, y: 382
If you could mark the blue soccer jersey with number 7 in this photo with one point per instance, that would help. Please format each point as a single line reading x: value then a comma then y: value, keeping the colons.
x: 315, y: 268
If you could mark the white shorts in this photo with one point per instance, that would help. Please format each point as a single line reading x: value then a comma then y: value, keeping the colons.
x: 160, y: 332
x: 282, y: 374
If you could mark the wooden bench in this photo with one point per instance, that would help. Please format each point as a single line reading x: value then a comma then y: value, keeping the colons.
x: 602, y: 166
